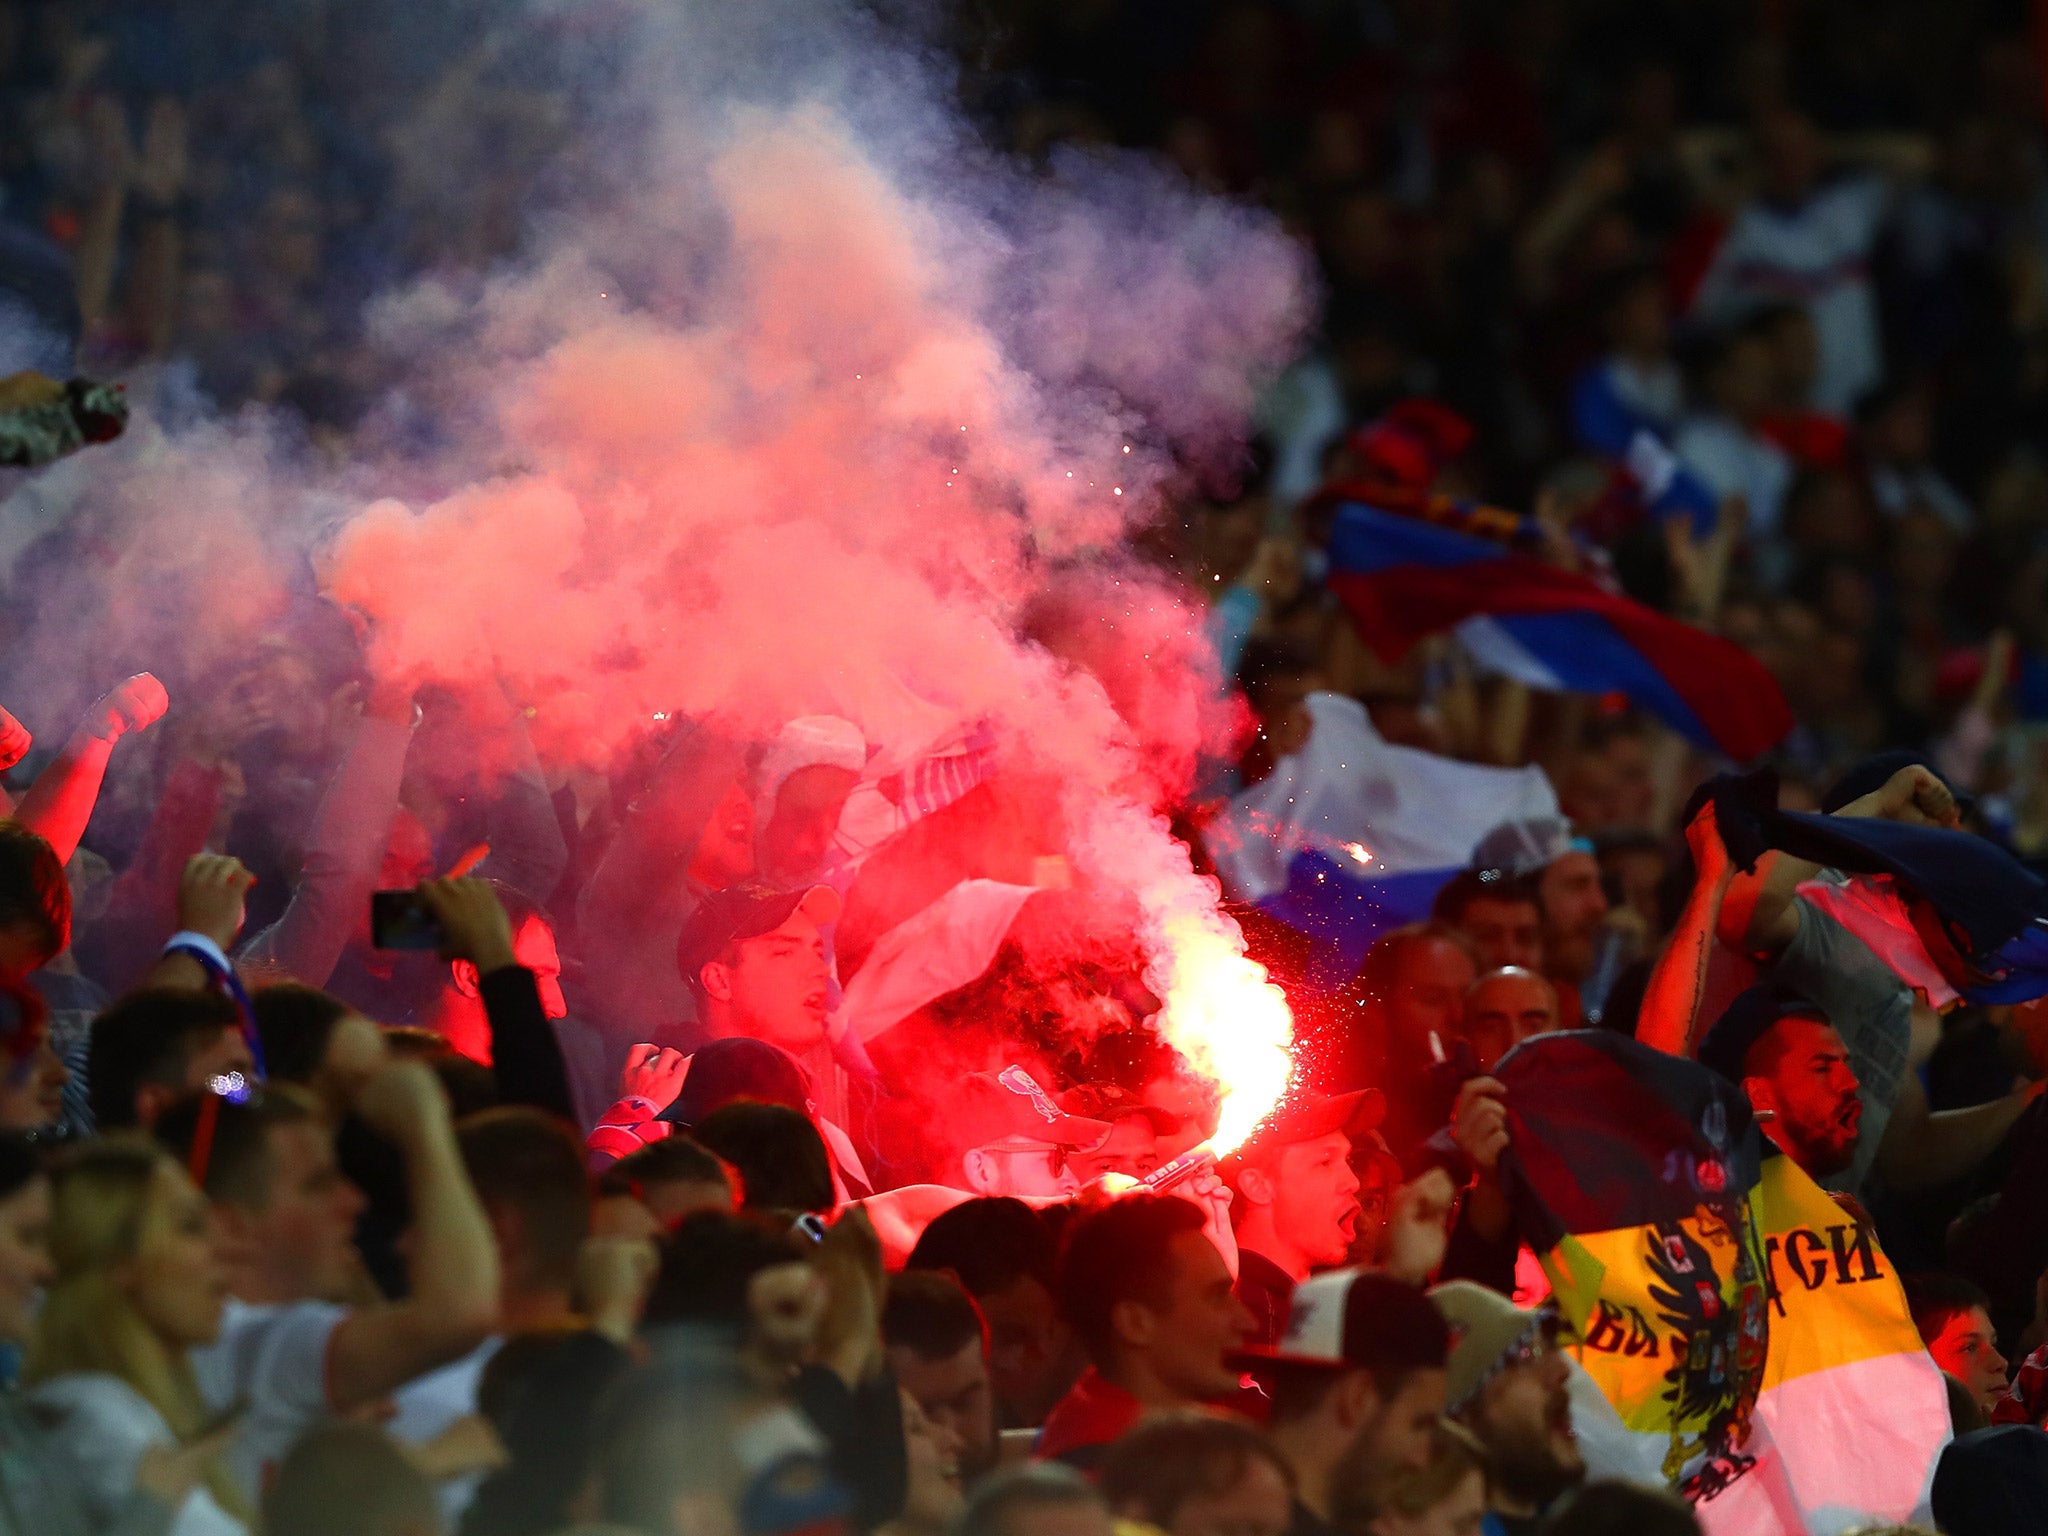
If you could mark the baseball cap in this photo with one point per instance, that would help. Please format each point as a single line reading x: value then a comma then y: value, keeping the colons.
x: 812, y: 741
x: 1727, y: 1042
x: 743, y: 912
x: 1486, y: 1332
x: 725, y: 1070
x: 987, y: 1110
x: 1307, y: 1116
x: 1357, y: 1318
x: 1527, y: 846
x: 1109, y: 1103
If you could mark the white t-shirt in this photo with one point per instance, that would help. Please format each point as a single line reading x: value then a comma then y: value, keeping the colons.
x: 432, y: 1404
x: 274, y: 1359
x: 103, y: 1427
x: 1817, y: 254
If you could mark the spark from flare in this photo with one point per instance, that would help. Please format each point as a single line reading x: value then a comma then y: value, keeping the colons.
x: 1358, y: 851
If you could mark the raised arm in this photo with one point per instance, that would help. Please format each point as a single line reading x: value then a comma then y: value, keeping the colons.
x: 211, y: 898
x: 1759, y: 917
x: 526, y: 1058
x: 453, y: 1304
x: 351, y: 831
x: 142, y: 909
x: 60, y: 802
x: 657, y: 833
x: 1924, y: 1147
x: 1670, y: 1020
x: 527, y: 849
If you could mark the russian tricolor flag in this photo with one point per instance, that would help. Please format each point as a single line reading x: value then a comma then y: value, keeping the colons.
x: 1403, y: 578
x: 1352, y: 835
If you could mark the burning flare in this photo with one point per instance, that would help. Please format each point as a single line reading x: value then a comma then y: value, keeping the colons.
x: 1232, y: 1024
x: 1218, y: 1010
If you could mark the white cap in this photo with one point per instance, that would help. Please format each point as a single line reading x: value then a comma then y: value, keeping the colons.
x: 1315, y: 1318
x: 811, y: 741
x: 1524, y: 847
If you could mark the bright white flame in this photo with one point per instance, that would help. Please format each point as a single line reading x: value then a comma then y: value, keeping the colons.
x: 1359, y: 852
x: 1229, y: 1021
x: 1218, y: 1010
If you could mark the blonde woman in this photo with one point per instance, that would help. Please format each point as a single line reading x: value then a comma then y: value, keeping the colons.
x: 138, y: 1283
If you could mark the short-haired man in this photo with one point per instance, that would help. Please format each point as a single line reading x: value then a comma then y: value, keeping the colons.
x: 1357, y: 1382
x: 1795, y: 1071
x: 1010, y: 1146
x: 1954, y: 1319
x: 528, y: 1172
x: 1201, y: 1474
x: 1412, y: 984
x: 1002, y: 1252
x: 511, y: 934
x: 754, y: 958
x: 937, y: 1345
x: 755, y: 961
x: 155, y: 1045
x: 1294, y: 1202
x: 658, y: 1186
x: 1570, y: 898
x: 1504, y: 1008
x: 1152, y: 1303
x: 502, y: 1002
x: 1498, y: 912
x: 1508, y: 1384
x: 285, y: 1214
x: 313, y: 1039
x: 1779, y: 914
x: 1136, y: 1129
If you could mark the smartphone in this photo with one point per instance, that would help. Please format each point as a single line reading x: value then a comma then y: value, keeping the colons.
x: 400, y: 920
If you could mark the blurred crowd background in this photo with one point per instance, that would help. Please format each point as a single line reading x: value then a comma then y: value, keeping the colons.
x: 1803, y: 241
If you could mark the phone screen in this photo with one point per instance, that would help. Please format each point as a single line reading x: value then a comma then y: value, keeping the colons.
x: 400, y: 920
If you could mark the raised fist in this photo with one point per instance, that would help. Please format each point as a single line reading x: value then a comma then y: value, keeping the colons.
x: 134, y: 706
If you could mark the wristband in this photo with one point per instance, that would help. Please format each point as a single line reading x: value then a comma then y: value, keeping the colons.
x: 214, y: 962
x: 200, y: 948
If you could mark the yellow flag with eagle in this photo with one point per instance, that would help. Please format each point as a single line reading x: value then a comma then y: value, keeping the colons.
x: 1743, y: 1326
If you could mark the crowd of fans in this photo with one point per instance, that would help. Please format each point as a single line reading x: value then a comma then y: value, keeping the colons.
x: 710, y: 1148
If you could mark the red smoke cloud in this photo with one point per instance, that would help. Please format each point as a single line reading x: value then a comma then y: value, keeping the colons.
x: 878, y: 459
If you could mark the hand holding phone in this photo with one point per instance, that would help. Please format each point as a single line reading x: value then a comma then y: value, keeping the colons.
x: 400, y: 920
